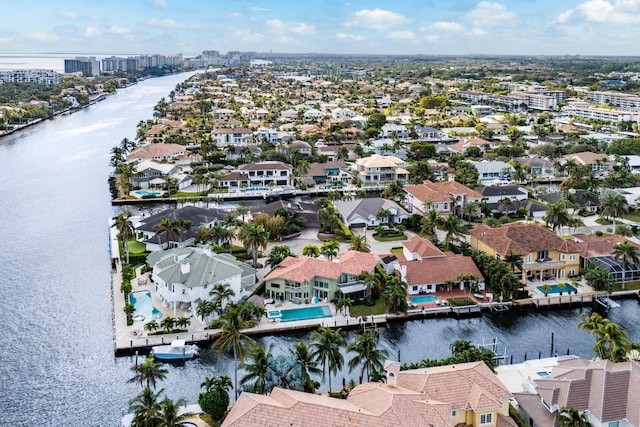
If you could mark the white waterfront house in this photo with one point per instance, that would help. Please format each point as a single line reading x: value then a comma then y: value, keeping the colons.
x: 184, y: 277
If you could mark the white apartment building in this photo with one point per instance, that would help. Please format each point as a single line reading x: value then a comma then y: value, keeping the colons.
x: 616, y: 116
x: 48, y: 77
x: 623, y: 100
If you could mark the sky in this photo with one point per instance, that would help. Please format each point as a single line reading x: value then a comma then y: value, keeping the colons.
x: 428, y: 27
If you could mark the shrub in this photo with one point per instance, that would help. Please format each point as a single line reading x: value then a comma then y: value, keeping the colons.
x: 214, y: 404
x: 125, y: 288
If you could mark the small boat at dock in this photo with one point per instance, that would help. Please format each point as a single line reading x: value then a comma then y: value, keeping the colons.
x: 177, y: 350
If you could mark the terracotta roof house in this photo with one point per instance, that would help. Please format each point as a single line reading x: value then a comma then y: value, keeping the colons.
x: 364, y: 212
x: 157, y: 152
x: 182, y: 277
x: 544, y: 253
x: 444, y: 196
x: 300, y: 279
x: 599, y: 249
x: 599, y: 162
x: 608, y: 393
x: 425, y: 268
x: 463, y: 144
x: 465, y: 394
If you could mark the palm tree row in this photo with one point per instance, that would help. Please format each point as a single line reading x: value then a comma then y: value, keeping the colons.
x: 612, y: 342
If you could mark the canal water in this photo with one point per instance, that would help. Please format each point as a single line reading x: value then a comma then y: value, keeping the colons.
x: 57, y: 360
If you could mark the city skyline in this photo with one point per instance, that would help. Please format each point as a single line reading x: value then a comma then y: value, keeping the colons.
x: 593, y: 27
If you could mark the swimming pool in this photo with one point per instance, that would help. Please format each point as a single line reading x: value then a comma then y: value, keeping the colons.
x: 419, y: 299
x: 143, y: 193
x: 141, y: 300
x: 555, y: 289
x: 304, y: 313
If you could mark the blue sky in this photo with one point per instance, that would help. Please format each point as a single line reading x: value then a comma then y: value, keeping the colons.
x: 552, y: 27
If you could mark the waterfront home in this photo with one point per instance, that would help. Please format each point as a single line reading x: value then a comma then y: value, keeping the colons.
x: 147, y: 228
x: 599, y: 163
x: 426, y: 269
x: 183, y: 277
x: 539, y: 167
x: 461, y: 146
x: 545, y: 255
x: 308, y: 211
x: 158, y: 152
x: 323, y: 173
x: 492, y: 170
x: 465, y: 394
x: 379, y: 169
x: 427, y: 133
x: 444, y: 197
x: 607, y: 393
x: 260, y: 174
x: 152, y: 174
x: 365, y: 212
x: 301, y: 279
x: 599, y: 249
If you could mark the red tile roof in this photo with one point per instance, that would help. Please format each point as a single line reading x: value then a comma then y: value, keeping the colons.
x: 438, y: 269
x: 306, y: 268
x: 522, y: 239
x: 422, y: 247
x: 441, y: 191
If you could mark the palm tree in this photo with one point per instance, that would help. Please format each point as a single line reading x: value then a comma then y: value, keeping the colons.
x: 395, y: 293
x: 278, y: 254
x: 429, y: 222
x: 254, y: 237
x: 167, y: 324
x: 470, y: 210
x: 627, y: 254
x: 371, y: 281
x: 613, y: 205
x: 343, y: 305
x: 453, y: 228
x: 242, y: 211
x: 171, y: 229
x: 514, y: 260
x: 367, y: 354
x: 359, y: 243
x: 311, y: 251
x: 330, y: 249
x: 326, y: 344
x: 384, y: 215
x: 183, y: 322
x: 570, y: 417
x: 148, y: 372
x: 151, y: 326
x: 557, y: 216
x: 168, y: 416
x: 231, y: 337
x: 221, y: 294
x: 146, y: 409
x: 307, y: 365
x: 125, y: 231
x: 257, y: 370
x: 204, y: 309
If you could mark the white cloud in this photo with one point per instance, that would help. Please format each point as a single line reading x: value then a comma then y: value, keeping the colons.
x: 350, y: 37
x: 43, y: 37
x: 602, y: 11
x: 91, y: 32
x: 377, y: 19
x: 478, y: 32
x: 258, y: 9
x: 490, y: 14
x: 170, y: 23
x: 233, y: 15
x: 114, y: 29
x: 433, y: 38
x: 401, y: 35
x: 446, y: 26
x: 69, y: 15
x: 278, y: 26
x: 162, y: 4
x: 246, y: 35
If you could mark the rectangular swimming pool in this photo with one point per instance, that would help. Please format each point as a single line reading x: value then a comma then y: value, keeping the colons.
x: 555, y: 289
x: 419, y: 299
x: 304, y: 313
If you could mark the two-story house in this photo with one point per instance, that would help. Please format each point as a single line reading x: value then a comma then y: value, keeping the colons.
x: 394, y: 131
x: 238, y: 137
x: 491, y: 171
x: 301, y: 279
x: 445, y: 196
x: 545, y: 255
x: 453, y: 395
x: 183, y: 277
x: 259, y: 174
x: 323, y: 173
x: 426, y: 269
x: 149, y: 173
x: 379, y: 169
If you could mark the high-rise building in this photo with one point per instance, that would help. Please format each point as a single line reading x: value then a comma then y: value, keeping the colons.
x: 114, y: 64
x: 88, y: 66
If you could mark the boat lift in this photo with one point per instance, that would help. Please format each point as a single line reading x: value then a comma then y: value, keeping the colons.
x: 493, y: 346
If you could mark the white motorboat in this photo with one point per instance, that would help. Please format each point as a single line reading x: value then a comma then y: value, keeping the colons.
x: 177, y: 350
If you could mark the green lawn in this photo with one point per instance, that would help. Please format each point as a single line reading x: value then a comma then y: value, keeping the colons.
x: 603, y: 221
x: 380, y: 307
x: 633, y: 216
x: 389, y: 238
x: 396, y: 250
x: 628, y: 286
x: 136, y: 247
